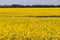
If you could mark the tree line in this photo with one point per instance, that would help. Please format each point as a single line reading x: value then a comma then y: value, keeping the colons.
x: 28, y: 6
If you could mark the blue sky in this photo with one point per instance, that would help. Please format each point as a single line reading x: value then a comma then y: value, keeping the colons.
x: 30, y: 2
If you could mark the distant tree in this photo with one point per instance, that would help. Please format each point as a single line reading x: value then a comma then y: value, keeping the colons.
x: 29, y: 6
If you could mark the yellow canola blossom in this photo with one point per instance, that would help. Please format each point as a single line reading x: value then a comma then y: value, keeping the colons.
x: 29, y: 24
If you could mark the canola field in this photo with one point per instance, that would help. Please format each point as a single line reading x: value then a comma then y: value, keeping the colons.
x: 29, y: 24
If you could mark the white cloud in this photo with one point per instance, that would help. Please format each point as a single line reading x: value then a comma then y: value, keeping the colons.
x: 30, y: 2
